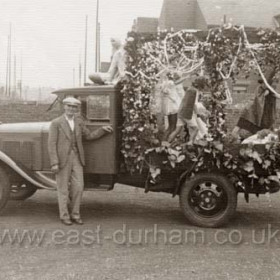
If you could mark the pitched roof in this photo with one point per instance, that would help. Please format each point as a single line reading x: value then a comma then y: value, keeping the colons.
x: 251, y: 13
x: 177, y: 14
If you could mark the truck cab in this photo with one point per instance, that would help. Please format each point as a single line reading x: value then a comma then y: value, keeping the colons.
x: 25, y: 145
x: 100, y: 105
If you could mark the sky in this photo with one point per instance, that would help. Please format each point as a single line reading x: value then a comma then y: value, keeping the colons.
x: 48, y: 36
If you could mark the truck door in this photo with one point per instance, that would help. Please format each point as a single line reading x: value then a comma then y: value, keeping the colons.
x: 101, y: 108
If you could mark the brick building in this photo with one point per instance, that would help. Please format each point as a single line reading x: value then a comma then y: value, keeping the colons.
x: 145, y: 25
x: 204, y: 14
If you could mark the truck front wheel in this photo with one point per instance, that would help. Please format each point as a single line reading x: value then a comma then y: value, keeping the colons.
x: 208, y: 200
x: 4, y: 187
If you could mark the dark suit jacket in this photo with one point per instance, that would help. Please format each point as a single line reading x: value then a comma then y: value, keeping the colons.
x: 261, y: 113
x: 187, y: 105
x: 59, y: 142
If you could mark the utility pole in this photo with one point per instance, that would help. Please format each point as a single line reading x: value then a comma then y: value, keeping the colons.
x: 15, y: 77
x: 98, y: 60
x: 7, y: 67
x: 40, y: 95
x: 97, y: 37
x: 74, y: 77
x: 14, y: 88
x: 85, y: 61
x: 80, y: 71
x: 10, y: 61
x: 20, y: 89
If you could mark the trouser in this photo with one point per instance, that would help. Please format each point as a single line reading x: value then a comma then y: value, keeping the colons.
x: 70, y: 185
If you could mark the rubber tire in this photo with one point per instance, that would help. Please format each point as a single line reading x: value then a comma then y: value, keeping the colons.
x: 218, y: 219
x: 4, y: 187
x: 24, y: 193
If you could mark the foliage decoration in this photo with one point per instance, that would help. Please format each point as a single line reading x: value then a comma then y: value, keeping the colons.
x: 139, y: 126
x: 224, y: 54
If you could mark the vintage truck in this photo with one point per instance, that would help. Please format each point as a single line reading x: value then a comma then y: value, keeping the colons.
x: 207, y: 200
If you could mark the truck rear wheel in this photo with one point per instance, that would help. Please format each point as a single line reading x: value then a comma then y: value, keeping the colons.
x: 4, y: 187
x: 21, y: 191
x: 208, y: 200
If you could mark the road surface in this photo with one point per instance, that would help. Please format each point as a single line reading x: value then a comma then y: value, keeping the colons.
x: 132, y: 235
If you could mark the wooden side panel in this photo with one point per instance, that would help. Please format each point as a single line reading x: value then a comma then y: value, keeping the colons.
x: 101, y: 154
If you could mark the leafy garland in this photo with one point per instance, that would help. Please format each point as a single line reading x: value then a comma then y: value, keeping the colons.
x: 225, y: 53
x: 140, y: 128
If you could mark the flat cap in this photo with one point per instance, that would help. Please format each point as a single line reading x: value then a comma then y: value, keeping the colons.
x: 71, y: 101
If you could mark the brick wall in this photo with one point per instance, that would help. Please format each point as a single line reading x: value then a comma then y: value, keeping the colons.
x: 146, y: 25
x: 233, y: 113
x: 11, y: 113
x: 240, y: 100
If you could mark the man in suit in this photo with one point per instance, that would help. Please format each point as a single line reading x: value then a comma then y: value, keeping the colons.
x: 67, y: 158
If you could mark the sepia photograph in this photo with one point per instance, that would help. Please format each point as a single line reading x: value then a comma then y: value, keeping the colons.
x: 139, y: 139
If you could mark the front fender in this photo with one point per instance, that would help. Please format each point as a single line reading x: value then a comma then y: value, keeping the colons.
x: 44, y: 184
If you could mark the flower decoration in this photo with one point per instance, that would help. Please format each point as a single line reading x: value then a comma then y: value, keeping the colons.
x: 224, y: 54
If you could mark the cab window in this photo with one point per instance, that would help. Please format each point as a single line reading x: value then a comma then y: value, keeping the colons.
x: 98, y: 107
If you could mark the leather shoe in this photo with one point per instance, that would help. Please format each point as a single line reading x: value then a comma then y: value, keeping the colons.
x: 66, y: 222
x: 78, y: 221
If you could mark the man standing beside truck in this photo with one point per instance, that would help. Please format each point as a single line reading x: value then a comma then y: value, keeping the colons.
x: 67, y: 158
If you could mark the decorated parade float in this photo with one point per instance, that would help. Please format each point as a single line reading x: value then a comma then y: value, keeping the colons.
x: 206, y: 172
x: 252, y: 166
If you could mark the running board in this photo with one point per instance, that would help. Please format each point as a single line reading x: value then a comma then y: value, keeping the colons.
x: 95, y: 187
x: 48, y: 179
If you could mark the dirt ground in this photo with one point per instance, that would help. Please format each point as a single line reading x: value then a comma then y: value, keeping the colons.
x: 132, y: 235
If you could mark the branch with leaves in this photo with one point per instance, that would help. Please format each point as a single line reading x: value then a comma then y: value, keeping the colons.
x: 223, y: 56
